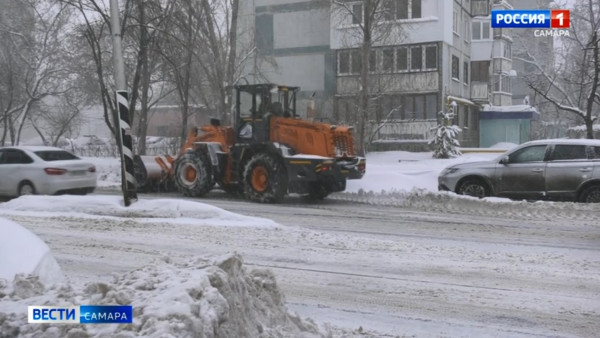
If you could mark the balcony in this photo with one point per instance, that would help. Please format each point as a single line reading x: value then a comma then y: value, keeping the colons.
x: 479, y: 91
x: 480, y: 7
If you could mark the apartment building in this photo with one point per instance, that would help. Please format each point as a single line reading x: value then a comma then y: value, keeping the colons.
x: 416, y: 70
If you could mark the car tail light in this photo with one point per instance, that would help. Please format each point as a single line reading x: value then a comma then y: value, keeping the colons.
x: 55, y: 171
x: 92, y: 169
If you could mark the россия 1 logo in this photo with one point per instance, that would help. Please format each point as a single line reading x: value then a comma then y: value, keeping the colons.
x: 556, y: 22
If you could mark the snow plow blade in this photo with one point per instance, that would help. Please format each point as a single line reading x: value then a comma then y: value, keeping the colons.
x: 153, y: 173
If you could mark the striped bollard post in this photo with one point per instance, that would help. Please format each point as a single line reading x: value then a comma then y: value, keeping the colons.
x: 128, y: 183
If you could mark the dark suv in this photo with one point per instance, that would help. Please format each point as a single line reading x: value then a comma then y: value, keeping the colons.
x: 560, y: 169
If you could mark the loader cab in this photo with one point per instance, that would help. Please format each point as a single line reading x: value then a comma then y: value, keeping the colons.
x: 255, y: 104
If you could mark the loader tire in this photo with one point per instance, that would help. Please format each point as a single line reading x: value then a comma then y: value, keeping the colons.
x: 265, y: 179
x: 317, y: 192
x: 193, y: 174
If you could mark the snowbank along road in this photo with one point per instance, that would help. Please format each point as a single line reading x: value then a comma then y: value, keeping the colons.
x: 396, y: 265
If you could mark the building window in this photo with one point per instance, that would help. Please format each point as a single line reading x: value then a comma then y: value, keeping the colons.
x: 480, y: 71
x: 401, y: 9
x: 349, y: 62
x: 355, y: 62
x: 502, y: 83
x: 416, y: 58
x: 389, y: 10
x: 466, y: 29
x: 455, y: 22
x: 415, y: 9
x: 506, y: 84
x: 481, y: 30
x: 344, y: 62
x: 373, y: 61
x: 419, y: 107
x: 431, y: 106
x: 357, y: 13
x: 431, y: 57
x: 485, y: 35
x: 402, y: 59
x: 455, y: 68
x: 466, y: 72
x: 496, y: 86
x: 507, y: 51
x: 387, y: 61
x: 476, y: 30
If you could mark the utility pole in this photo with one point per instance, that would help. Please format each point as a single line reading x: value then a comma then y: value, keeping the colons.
x: 124, y: 142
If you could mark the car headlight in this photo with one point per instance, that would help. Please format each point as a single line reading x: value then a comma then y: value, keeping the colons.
x: 448, y: 171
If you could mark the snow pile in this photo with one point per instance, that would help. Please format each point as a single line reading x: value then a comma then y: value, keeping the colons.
x: 421, y: 199
x: 198, y: 298
x: 112, y: 206
x: 22, y: 252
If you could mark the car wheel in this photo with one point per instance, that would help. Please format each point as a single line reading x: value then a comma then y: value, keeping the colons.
x: 474, y: 187
x: 590, y: 194
x: 26, y: 188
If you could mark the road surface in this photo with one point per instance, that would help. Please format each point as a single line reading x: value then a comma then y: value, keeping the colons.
x: 434, y: 269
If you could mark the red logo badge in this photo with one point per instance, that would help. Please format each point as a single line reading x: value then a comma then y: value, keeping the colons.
x: 560, y: 18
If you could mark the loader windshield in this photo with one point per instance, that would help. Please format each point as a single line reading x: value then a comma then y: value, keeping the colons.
x: 246, y: 106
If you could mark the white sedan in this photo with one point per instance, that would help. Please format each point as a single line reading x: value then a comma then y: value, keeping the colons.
x: 26, y: 170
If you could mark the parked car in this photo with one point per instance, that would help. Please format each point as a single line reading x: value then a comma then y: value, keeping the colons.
x: 559, y: 169
x: 44, y: 170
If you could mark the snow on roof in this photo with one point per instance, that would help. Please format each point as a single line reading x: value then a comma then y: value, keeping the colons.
x: 509, y: 109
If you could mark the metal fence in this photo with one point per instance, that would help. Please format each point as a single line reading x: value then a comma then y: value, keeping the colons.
x: 96, y: 147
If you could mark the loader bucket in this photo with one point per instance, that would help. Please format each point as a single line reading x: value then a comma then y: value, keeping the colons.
x: 150, y: 176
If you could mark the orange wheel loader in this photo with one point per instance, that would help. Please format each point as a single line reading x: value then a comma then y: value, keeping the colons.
x: 268, y: 152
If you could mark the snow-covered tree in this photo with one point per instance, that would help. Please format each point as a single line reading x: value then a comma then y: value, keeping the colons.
x: 445, y: 142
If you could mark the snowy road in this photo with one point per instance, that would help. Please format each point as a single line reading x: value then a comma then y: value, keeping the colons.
x: 465, y: 268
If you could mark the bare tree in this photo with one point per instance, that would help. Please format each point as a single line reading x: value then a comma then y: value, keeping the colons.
x: 201, y: 55
x: 144, y: 27
x: 94, y: 27
x: 150, y: 27
x: 37, y: 49
x: 572, y: 85
x: 57, y: 119
x: 218, y: 32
